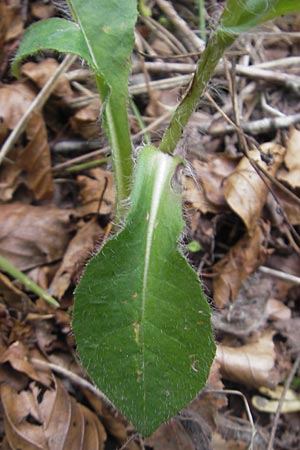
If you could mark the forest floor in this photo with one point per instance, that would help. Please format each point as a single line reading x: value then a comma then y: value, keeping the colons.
x: 242, y: 209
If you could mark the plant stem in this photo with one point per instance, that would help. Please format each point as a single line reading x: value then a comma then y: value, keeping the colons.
x: 116, y: 123
x: 202, y: 29
x: 31, y: 285
x: 215, y: 48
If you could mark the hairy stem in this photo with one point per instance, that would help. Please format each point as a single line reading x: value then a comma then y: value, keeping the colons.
x: 216, y: 46
x: 116, y: 123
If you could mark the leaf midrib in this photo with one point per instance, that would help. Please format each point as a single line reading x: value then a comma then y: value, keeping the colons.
x: 157, y: 190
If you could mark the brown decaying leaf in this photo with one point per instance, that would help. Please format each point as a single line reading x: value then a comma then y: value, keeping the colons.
x: 291, y: 174
x: 49, y: 420
x: 11, y: 23
x: 29, y: 161
x: 42, y: 10
x: 211, y: 175
x: 185, y: 432
x: 33, y: 235
x: 40, y: 73
x: 85, y: 121
x: 289, y: 206
x: 245, y: 190
x: 247, y: 314
x: 17, y: 356
x: 91, y: 188
x: 276, y: 310
x: 241, y: 260
x: 79, y: 250
x: 252, y: 365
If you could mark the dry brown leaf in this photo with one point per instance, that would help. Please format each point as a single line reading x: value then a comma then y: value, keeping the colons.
x: 252, y: 365
x: 91, y: 188
x: 241, y: 260
x: 116, y: 424
x: 17, y: 356
x: 42, y: 10
x: 94, y: 434
x: 79, y: 250
x: 185, y: 432
x: 11, y: 24
x: 291, y: 174
x: 33, y: 235
x: 245, y: 190
x: 29, y: 160
x: 48, y: 420
x: 85, y: 121
x: 211, y: 176
x: 247, y: 314
x: 276, y: 310
x: 42, y: 71
x: 194, y: 194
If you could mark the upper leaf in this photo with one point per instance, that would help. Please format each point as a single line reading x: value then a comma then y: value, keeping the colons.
x: 240, y: 15
x: 141, y: 322
x: 108, y: 32
x: 53, y: 34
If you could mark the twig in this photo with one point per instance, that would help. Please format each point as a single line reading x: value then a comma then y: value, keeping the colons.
x: 36, y: 105
x: 247, y: 407
x: 257, y: 126
x: 280, y: 403
x: 189, y: 38
x: 161, y: 32
x: 30, y: 284
x: 279, y: 274
x: 76, y: 379
x: 80, y: 159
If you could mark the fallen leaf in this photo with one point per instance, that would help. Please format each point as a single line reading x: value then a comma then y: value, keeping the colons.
x: 247, y: 313
x: 85, y: 121
x: 241, y: 261
x: 291, y: 174
x: 252, y: 365
x: 211, y: 176
x: 42, y: 10
x: 186, y: 431
x: 276, y: 310
x: 79, y: 250
x: 245, y: 190
x: 289, y: 206
x: 40, y: 73
x: 11, y: 24
x: 18, y: 357
x: 291, y: 401
x: 29, y: 161
x: 33, y: 235
x: 48, y: 420
x: 91, y: 189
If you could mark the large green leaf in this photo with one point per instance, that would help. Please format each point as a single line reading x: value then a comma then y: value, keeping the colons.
x: 141, y: 321
x: 240, y: 15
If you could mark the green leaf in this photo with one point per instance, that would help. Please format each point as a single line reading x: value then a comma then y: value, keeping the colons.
x: 141, y: 321
x: 240, y: 15
x: 103, y: 35
x: 52, y: 34
x: 108, y: 28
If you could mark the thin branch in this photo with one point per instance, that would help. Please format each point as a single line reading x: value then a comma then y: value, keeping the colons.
x: 287, y: 385
x: 190, y: 39
x: 279, y: 274
x: 75, y: 379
